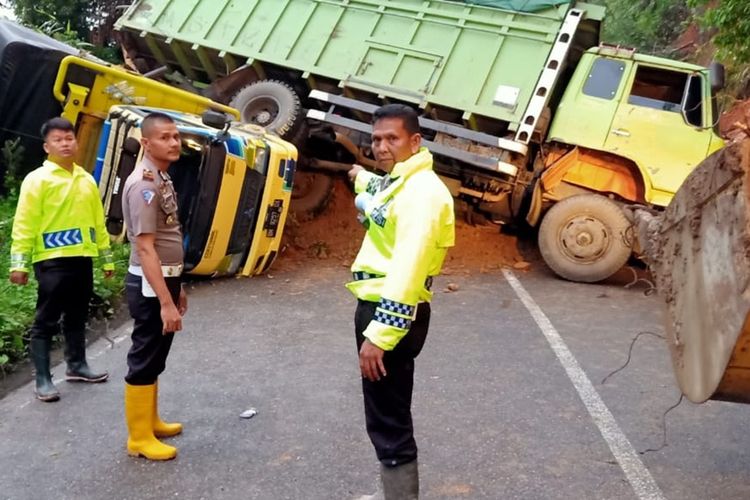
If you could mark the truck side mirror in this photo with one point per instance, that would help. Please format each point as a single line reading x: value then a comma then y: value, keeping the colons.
x: 215, y: 119
x: 718, y: 76
x: 218, y: 120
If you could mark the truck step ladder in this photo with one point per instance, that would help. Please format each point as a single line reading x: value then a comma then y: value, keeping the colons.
x: 549, y: 76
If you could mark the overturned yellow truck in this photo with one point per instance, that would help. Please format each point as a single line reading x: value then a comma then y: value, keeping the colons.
x: 233, y: 180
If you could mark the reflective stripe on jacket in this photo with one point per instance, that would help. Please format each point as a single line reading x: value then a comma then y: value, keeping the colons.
x: 410, y: 226
x: 59, y: 214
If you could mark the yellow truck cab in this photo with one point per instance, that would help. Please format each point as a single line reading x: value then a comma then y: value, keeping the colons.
x: 234, y: 183
x: 640, y: 124
x: 233, y: 187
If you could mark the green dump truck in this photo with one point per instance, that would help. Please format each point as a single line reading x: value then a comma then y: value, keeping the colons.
x: 530, y: 118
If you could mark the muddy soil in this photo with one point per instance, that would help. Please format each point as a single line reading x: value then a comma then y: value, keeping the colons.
x: 333, y: 239
x: 734, y: 125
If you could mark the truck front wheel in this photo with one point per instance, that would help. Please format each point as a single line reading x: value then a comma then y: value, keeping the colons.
x: 271, y: 104
x: 585, y: 238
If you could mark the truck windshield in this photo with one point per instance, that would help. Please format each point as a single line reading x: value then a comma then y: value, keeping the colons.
x: 185, y: 172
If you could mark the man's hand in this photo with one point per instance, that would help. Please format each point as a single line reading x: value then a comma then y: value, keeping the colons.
x: 170, y: 318
x: 19, y: 278
x: 182, y: 307
x: 371, y: 361
x: 108, y: 274
x: 356, y: 169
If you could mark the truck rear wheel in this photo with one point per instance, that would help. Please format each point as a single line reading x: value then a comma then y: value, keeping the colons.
x: 585, y: 238
x: 271, y: 104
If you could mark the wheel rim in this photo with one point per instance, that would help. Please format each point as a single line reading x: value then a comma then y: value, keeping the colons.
x: 584, y: 239
x: 261, y: 111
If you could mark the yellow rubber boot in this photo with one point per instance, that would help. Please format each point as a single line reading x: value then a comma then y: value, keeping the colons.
x: 162, y: 428
x: 139, y: 411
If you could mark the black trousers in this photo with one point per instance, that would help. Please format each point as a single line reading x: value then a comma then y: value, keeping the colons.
x: 148, y: 353
x: 65, y: 287
x: 388, y: 401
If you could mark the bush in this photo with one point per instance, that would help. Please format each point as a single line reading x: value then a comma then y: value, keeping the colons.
x: 17, y: 303
x: 651, y: 26
x: 730, y: 19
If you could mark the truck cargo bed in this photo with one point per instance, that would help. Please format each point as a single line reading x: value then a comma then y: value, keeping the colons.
x: 454, y: 57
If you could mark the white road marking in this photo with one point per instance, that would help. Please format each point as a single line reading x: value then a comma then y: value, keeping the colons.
x: 640, y: 478
x: 111, y: 345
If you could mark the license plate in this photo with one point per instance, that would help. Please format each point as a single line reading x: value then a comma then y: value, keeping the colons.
x: 273, y: 216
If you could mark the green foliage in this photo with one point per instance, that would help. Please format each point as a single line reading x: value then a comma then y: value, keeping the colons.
x: 651, y: 26
x: 38, y: 12
x: 109, y: 291
x: 12, y: 153
x: 731, y: 20
x: 16, y: 302
x: 110, y: 53
x: 54, y: 29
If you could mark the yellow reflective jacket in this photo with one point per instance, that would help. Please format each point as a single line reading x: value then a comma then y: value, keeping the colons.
x: 59, y: 214
x: 410, y: 226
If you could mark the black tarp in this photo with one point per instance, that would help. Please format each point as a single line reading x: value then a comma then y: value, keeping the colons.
x: 28, y: 67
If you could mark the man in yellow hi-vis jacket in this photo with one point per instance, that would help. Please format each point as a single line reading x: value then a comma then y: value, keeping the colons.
x: 58, y: 228
x: 410, y: 225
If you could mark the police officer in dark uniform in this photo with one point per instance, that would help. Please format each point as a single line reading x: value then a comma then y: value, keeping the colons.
x: 156, y: 299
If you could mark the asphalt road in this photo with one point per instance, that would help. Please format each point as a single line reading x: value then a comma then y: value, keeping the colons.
x: 508, y: 402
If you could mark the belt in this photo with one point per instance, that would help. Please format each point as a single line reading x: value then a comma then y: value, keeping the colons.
x: 362, y: 275
x: 166, y: 271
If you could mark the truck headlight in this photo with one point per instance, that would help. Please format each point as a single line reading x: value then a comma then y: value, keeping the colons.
x: 261, y: 157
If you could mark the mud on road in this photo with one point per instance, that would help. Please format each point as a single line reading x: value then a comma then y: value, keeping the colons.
x: 335, y: 236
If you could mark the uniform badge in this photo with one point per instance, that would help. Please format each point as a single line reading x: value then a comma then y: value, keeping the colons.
x: 148, y: 196
x: 378, y: 215
x: 148, y: 175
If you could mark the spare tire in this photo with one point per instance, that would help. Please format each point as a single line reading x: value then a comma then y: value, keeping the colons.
x: 272, y: 104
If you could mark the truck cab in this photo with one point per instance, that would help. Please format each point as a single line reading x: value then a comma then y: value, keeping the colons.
x: 233, y: 182
x: 233, y: 187
x: 655, y: 115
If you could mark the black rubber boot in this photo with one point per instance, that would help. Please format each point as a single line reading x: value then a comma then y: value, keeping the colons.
x: 75, y: 356
x: 400, y: 482
x: 45, y: 390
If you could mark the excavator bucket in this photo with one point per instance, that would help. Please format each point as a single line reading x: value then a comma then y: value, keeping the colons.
x: 699, y: 252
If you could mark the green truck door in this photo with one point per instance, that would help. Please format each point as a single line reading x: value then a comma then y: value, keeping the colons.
x: 649, y: 127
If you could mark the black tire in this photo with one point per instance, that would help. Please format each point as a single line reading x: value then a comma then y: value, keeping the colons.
x: 299, y: 137
x: 585, y: 238
x: 271, y: 104
x: 310, y: 193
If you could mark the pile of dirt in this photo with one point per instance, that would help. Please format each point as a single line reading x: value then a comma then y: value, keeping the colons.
x: 734, y: 125
x: 482, y: 248
x: 334, y: 237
